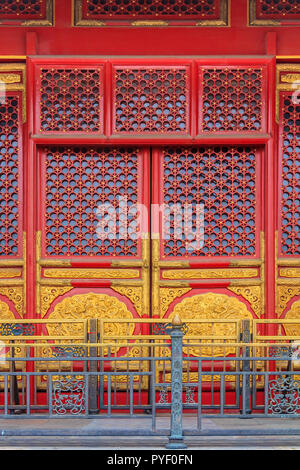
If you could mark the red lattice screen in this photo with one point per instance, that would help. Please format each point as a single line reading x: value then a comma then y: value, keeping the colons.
x: 10, y: 176
x: 225, y: 180
x: 77, y: 183
x: 71, y: 100
x: 278, y: 9
x: 25, y: 9
x: 151, y: 100
x: 231, y: 99
x: 289, y: 169
x: 153, y: 9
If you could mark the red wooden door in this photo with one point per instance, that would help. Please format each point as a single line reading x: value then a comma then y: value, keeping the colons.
x: 203, y: 104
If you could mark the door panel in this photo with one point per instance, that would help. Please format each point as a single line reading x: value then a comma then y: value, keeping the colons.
x: 215, y: 270
x: 92, y: 248
x: 12, y: 227
x: 288, y: 238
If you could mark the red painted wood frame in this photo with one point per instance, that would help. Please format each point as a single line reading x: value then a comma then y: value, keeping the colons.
x: 262, y: 141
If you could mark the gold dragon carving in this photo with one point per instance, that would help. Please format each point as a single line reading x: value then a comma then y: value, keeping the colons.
x: 210, y: 307
x: 209, y: 273
x: 87, y: 306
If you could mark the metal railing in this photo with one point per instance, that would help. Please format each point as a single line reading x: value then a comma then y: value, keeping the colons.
x: 79, y: 376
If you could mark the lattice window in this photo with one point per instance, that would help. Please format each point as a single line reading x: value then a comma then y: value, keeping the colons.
x: 71, y: 100
x: 10, y: 177
x: 103, y: 9
x: 78, y: 183
x: 278, y: 9
x: 151, y: 100
x: 231, y: 99
x: 224, y: 182
x: 15, y: 9
x: 290, y: 176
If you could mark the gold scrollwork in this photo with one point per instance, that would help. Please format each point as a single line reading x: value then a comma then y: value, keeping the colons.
x: 253, y: 294
x: 10, y: 273
x: 134, y: 294
x: 290, y: 272
x: 211, y: 306
x: 168, y: 295
x: 16, y: 295
x: 49, y: 294
x: 284, y: 295
x: 209, y: 273
x: 9, y: 78
x: 91, y: 273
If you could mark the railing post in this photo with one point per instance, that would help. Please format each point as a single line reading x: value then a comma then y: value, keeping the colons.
x: 176, y: 439
x: 93, y: 379
x: 246, y: 383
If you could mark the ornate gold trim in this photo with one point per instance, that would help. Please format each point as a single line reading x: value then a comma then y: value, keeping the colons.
x: 10, y: 78
x: 168, y: 295
x: 146, y: 274
x: 149, y: 23
x: 289, y: 272
x: 47, y: 296
x: 10, y: 273
x: 253, y: 294
x: 210, y: 273
x: 134, y: 294
x: 91, y: 273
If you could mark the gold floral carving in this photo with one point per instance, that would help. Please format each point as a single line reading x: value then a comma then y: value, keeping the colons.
x: 6, y: 273
x: 290, y: 77
x: 10, y: 78
x: 49, y: 294
x: 168, y: 295
x: 211, y: 306
x: 293, y: 314
x: 209, y: 273
x: 92, y: 273
x: 253, y: 294
x: 284, y: 295
x: 16, y: 295
x: 91, y: 305
x: 290, y: 272
x: 134, y: 294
